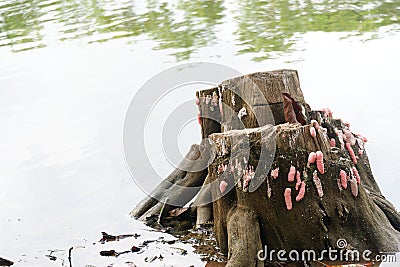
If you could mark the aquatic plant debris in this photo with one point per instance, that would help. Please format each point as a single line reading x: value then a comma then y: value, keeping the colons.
x: 108, y: 238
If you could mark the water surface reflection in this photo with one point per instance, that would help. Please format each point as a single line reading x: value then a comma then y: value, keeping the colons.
x: 262, y: 27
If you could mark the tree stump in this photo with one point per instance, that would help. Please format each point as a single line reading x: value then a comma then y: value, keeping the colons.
x: 282, y: 186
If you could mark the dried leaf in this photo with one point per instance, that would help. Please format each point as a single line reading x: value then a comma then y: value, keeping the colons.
x: 107, y: 238
x: 288, y: 110
x: 297, y: 109
x: 176, y: 212
x: 109, y: 253
x: 135, y: 249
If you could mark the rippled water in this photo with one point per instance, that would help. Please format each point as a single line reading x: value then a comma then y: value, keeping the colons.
x: 68, y: 70
x: 264, y: 27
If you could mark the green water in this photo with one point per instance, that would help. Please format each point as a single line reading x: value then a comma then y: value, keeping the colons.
x: 266, y: 28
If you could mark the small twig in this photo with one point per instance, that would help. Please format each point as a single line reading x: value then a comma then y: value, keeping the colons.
x: 70, y: 256
x: 161, y: 212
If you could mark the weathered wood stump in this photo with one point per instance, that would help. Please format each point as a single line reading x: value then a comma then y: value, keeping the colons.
x: 296, y: 186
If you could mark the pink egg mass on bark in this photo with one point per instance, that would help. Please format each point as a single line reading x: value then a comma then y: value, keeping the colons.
x: 354, y: 187
x: 199, y: 118
x: 291, y: 174
x: 351, y: 152
x: 343, y: 179
x: 288, y: 198
x: 363, y: 138
x: 275, y: 173
x: 318, y: 184
x: 355, y: 171
x: 222, y: 186
x: 315, y: 124
x: 298, y: 180
x: 312, y: 157
x: 302, y: 191
x: 313, y: 131
x: 320, y: 162
x: 332, y: 142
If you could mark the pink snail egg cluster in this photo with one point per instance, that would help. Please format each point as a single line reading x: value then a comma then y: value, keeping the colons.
x: 354, y: 187
x: 275, y: 173
x: 327, y: 112
x: 357, y: 175
x: 312, y: 157
x: 351, y: 152
x: 318, y: 184
x: 349, y: 137
x: 302, y: 191
x: 343, y: 179
x: 315, y: 124
x: 199, y: 117
x: 313, y: 132
x: 298, y: 180
x: 291, y: 174
x: 288, y: 198
x: 222, y: 168
x: 362, y: 138
x: 248, y: 175
x: 320, y: 162
x: 222, y: 186
x: 332, y: 142
x: 300, y: 186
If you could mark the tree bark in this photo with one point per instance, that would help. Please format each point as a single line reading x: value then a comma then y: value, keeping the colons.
x: 248, y: 192
x: 179, y: 187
